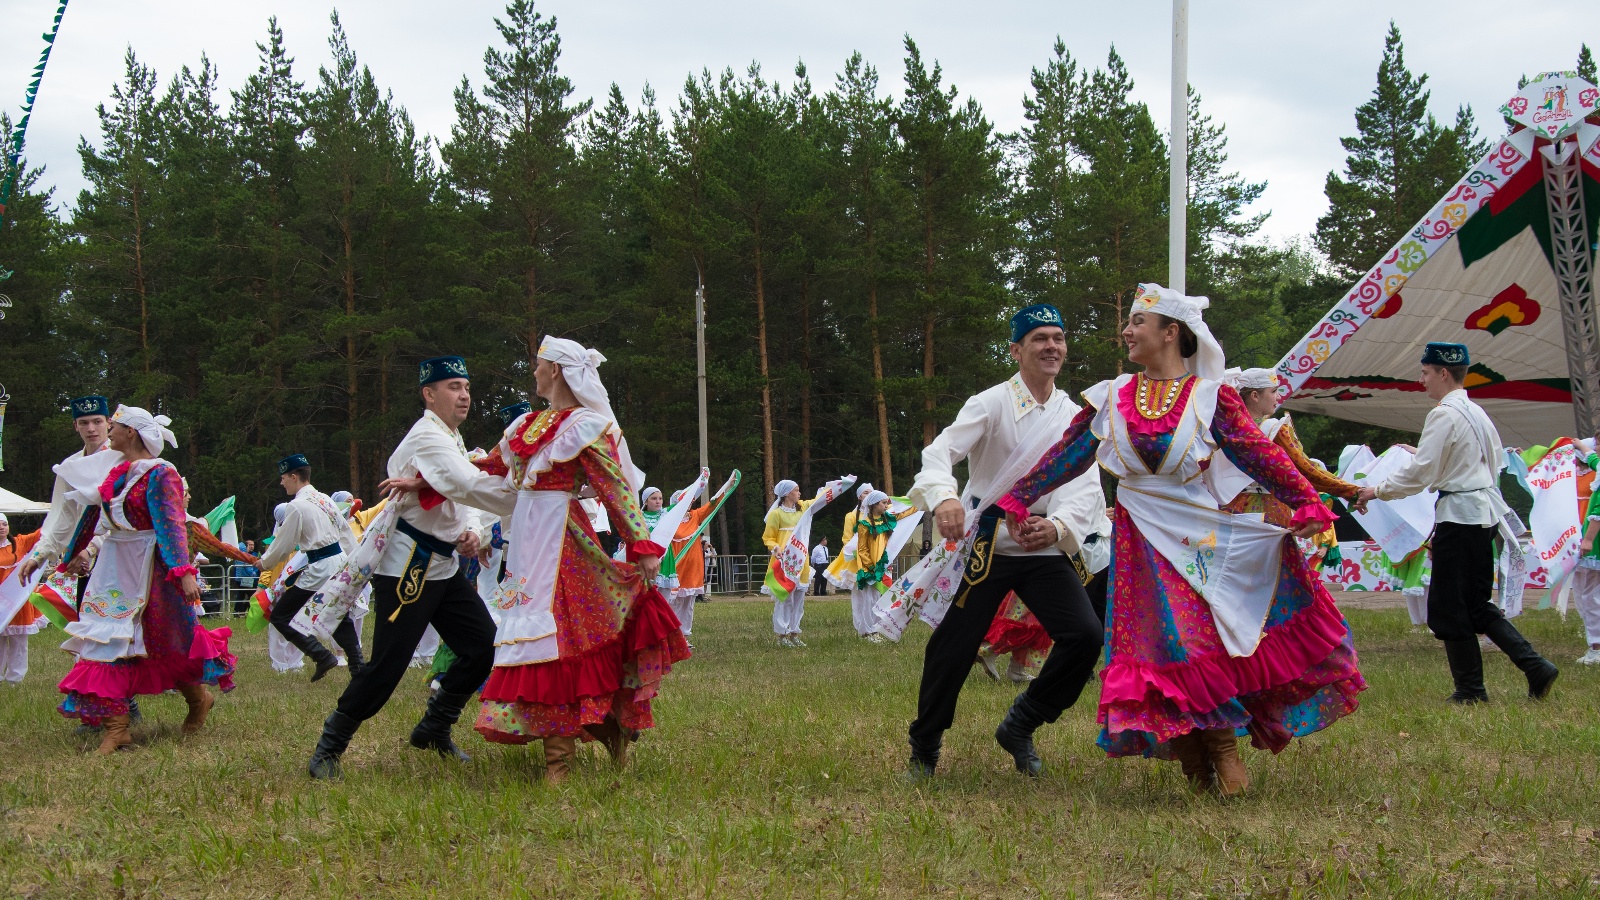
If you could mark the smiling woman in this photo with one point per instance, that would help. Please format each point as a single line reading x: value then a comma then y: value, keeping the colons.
x: 1216, y: 625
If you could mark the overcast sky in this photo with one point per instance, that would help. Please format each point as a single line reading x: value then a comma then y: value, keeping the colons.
x: 1285, y: 77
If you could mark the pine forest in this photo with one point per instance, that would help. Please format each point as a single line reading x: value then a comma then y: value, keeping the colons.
x: 267, y: 265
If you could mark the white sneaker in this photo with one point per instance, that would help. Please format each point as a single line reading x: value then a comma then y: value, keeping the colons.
x: 794, y: 640
x: 783, y: 641
x: 1591, y: 658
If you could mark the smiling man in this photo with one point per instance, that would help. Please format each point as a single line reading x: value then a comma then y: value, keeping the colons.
x: 1010, y: 424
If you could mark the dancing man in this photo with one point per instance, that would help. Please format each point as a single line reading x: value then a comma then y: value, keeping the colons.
x: 417, y: 581
x: 1460, y: 456
x: 316, y: 527
x: 999, y: 432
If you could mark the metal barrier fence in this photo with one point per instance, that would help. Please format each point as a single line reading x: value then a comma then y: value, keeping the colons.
x: 225, y: 591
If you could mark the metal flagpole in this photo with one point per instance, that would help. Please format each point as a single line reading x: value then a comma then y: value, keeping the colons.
x: 1178, y: 227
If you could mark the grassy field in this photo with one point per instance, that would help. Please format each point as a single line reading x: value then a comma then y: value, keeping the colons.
x: 774, y: 773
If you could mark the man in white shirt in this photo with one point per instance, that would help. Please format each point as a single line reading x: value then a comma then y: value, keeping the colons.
x: 418, y: 581
x: 316, y: 527
x: 1460, y: 456
x: 819, y: 563
x: 987, y: 433
x: 91, y: 419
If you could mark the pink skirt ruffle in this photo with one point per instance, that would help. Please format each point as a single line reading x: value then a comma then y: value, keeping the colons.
x: 1171, y: 700
x: 208, y: 662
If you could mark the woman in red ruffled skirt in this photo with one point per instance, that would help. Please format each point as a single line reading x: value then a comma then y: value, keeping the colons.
x: 583, y: 641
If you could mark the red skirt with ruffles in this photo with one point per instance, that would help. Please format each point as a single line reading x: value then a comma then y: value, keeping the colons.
x: 618, y: 677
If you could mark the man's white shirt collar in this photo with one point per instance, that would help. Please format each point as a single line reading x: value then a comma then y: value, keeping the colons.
x: 1022, y: 400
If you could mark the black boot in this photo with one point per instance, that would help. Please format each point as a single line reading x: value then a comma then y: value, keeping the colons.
x: 924, y: 760
x: 325, y: 660
x: 1466, y: 667
x: 310, y: 646
x: 1015, y: 735
x: 433, y: 732
x: 336, y: 734
x: 350, y: 642
x: 1541, y: 672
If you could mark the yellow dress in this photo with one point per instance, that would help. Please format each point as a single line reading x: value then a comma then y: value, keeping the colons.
x: 780, y: 525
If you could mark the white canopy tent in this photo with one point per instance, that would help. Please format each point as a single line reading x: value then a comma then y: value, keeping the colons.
x: 1502, y: 263
x: 16, y: 504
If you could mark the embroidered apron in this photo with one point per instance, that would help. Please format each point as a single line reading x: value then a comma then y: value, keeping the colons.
x: 1231, y: 561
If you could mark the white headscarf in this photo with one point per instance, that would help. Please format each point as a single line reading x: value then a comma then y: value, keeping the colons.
x: 580, y: 368
x: 342, y: 497
x: 1250, y: 379
x: 874, y: 499
x: 781, y: 490
x: 280, y: 512
x: 644, y: 495
x: 1208, y: 361
x: 152, y: 429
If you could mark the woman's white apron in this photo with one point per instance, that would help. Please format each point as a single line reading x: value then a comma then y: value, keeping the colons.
x: 110, y: 622
x: 1230, y: 561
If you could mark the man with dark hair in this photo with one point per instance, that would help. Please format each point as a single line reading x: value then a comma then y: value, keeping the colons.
x: 418, y: 581
x: 1460, y: 456
x: 316, y: 527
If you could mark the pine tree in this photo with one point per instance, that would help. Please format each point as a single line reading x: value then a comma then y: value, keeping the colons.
x: 40, y: 369
x: 1585, y: 66
x: 1400, y: 161
x: 749, y: 190
x: 1123, y: 207
x: 949, y: 161
x: 513, y: 158
x: 872, y: 204
x: 116, y: 262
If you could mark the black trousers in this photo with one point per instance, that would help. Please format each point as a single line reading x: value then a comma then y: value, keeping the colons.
x: 819, y: 586
x: 1098, y: 588
x: 452, y: 607
x: 289, y: 606
x: 1460, y: 604
x: 1050, y: 589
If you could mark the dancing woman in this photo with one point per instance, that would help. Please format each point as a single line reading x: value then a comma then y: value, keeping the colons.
x: 583, y: 641
x: 1216, y: 624
x: 138, y: 630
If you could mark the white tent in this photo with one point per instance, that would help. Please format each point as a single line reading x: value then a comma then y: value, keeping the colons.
x: 1503, y: 263
x: 16, y: 504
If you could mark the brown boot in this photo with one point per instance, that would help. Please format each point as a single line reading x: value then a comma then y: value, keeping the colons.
x: 614, y: 738
x: 1190, y: 749
x: 1223, y: 748
x: 116, y: 736
x: 200, y: 701
x: 558, y: 758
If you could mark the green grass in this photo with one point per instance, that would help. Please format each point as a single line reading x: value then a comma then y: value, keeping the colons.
x: 774, y: 773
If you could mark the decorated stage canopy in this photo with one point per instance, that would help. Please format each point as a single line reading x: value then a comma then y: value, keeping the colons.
x: 1502, y: 263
